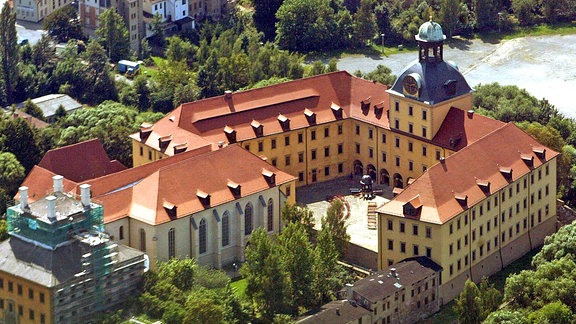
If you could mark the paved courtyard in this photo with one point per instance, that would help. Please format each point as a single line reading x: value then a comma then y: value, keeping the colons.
x: 315, y: 197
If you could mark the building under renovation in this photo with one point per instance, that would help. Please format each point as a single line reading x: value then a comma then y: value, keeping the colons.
x: 58, y: 266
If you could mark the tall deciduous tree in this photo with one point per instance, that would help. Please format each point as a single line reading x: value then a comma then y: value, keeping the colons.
x: 469, y: 304
x: 268, y: 282
x: 296, y: 214
x: 449, y: 13
x: 335, y: 221
x: 8, y: 52
x: 486, y: 12
x: 265, y: 16
x: 327, y: 271
x: 63, y: 24
x: 113, y: 35
x: 17, y: 137
x: 365, y: 28
x: 298, y: 256
x: 12, y: 173
x: 99, y: 80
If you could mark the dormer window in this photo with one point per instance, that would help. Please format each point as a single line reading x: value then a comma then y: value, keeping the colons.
x: 484, y: 185
x: 450, y: 87
x: 462, y: 199
x: 203, y: 197
x: 145, y: 131
x: 179, y: 148
x: 528, y: 159
x: 336, y: 110
x: 310, y: 116
x: 258, y: 128
x: 164, y: 141
x: 379, y: 109
x: 365, y: 104
x: 230, y: 134
x: 540, y: 151
x: 235, y: 188
x: 170, y: 209
x: 269, y: 176
x: 284, y: 122
x: 413, y: 207
x: 506, y: 172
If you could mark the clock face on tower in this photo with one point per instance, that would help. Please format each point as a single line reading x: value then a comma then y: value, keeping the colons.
x: 410, y: 85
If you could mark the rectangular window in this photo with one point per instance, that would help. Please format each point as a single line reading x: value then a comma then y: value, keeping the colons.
x: 370, y: 133
x: 30, y: 293
x: 326, y: 132
x: 327, y: 171
x: 410, y: 110
x: 390, y: 225
x: 340, y: 148
x: 19, y: 289
x: 410, y: 146
x: 287, y: 140
x: 340, y: 167
x: 415, y: 250
x: 313, y: 155
x: 410, y: 128
x: 451, y: 249
x: 357, y: 148
x: 340, y: 130
x: 273, y: 143
x: 383, y: 138
x: 383, y: 156
x: 415, y: 229
x: 428, y: 232
x: 403, y: 247
x: 396, y: 106
x: 438, y: 155
x: 390, y: 245
x: 357, y: 129
x: 260, y: 146
x: 313, y: 135
x: 423, y: 150
x: 424, y: 132
x: 301, y: 176
x: 300, y: 157
x: 397, y: 142
x: 397, y: 161
x: 327, y: 151
x: 424, y: 112
x: 402, y: 227
x: 300, y: 138
x: 397, y: 123
x: 428, y: 252
x: 410, y: 165
x: 287, y: 160
x: 42, y: 297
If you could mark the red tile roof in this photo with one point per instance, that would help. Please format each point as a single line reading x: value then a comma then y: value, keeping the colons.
x: 204, y: 121
x: 461, y: 128
x: 81, y: 161
x: 142, y: 192
x: 446, y: 188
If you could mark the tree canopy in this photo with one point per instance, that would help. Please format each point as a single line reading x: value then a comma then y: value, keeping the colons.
x: 113, y: 35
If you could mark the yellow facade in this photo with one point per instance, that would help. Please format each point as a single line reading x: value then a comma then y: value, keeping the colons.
x: 481, y: 240
x: 23, y: 301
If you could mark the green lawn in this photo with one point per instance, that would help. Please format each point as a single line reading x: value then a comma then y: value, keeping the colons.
x: 239, y: 287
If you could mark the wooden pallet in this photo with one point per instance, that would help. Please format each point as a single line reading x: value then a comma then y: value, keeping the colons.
x: 372, y: 223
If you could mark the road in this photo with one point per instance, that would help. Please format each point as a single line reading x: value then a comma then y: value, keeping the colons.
x: 545, y: 66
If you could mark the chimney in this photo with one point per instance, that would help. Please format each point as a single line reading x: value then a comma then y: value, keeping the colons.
x: 349, y: 292
x: 51, y: 208
x: 470, y: 113
x: 58, y: 183
x: 228, y: 94
x: 85, y: 194
x: 220, y: 144
x: 393, y: 272
x: 23, y: 197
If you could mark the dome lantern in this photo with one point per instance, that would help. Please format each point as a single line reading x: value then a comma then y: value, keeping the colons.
x: 430, y: 42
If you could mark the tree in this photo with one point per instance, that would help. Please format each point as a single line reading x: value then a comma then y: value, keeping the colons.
x: 556, y: 312
x: 382, y: 74
x: 140, y: 85
x: 8, y: 53
x: 265, y: 16
x: 268, y: 282
x: 3, y: 230
x: 449, y: 14
x: 157, y: 28
x: 298, y: 257
x: 557, y: 246
x: 506, y: 316
x: 98, y: 78
x: 113, y: 35
x: 489, y: 296
x: 365, y: 28
x: 296, y: 214
x: 486, y: 12
x: 305, y: 25
x: 33, y: 110
x: 17, y: 137
x: 335, y: 221
x: 329, y: 274
x: 63, y: 24
x: 469, y: 304
x: 523, y: 9
x: 179, y: 49
x: 11, y: 173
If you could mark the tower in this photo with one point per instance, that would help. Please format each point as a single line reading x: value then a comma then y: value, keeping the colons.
x: 428, y: 87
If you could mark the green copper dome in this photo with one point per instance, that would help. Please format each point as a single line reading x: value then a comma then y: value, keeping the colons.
x: 430, y: 31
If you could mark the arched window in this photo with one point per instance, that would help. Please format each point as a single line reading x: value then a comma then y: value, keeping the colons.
x: 121, y: 233
x: 270, y: 214
x: 171, y: 243
x: 142, y: 240
x: 248, y: 219
x: 202, y: 236
x: 225, y: 229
